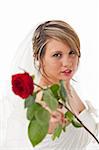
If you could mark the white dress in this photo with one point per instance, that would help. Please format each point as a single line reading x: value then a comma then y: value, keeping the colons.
x: 72, y: 139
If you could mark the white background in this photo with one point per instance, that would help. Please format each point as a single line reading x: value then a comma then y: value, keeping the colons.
x: 17, y: 17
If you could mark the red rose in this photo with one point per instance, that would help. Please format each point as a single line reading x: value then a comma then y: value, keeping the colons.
x: 22, y: 85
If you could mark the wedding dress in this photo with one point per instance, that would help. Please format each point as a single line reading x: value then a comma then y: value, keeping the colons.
x: 72, y: 139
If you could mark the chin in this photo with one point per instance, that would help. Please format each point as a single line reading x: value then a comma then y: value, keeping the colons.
x: 66, y: 78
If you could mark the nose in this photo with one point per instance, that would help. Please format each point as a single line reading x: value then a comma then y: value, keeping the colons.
x: 66, y: 61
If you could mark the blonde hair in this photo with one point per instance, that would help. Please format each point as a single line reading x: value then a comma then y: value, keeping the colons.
x: 55, y: 29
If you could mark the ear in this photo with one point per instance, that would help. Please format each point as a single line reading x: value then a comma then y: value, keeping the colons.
x: 40, y: 64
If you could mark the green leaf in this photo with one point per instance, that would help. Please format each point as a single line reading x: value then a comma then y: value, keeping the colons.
x: 64, y: 128
x: 33, y: 77
x: 69, y: 116
x: 72, y: 119
x: 63, y: 93
x: 37, y: 132
x: 49, y: 98
x: 57, y: 132
x: 42, y: 116
x: 32, y: 110
x: 54, y: 88
x: 76, y: 124
x: 30, y: 100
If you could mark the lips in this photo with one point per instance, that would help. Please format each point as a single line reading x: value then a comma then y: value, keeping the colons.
x: 67, y: 72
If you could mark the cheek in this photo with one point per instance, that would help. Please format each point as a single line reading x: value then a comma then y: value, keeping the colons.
x: 52, y: 64
x: 75, y: 64
x: 52, y: 68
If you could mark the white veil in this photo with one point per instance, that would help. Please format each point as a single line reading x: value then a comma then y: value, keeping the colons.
x: 23, y: 61
x: 13, y: 106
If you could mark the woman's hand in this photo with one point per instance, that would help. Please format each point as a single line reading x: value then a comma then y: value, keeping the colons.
x: 57, y: 117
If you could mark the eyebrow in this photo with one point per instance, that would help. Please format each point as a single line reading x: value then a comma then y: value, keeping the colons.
x: 59, y: 51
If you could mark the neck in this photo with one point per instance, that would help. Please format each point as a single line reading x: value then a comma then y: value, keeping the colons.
x: 45, y: 82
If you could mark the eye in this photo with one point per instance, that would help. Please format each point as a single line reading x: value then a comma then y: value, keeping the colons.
x: 72, y: 52
x: 57, y: 55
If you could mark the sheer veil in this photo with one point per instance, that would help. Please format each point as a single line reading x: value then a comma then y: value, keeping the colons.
x: 13, y: 106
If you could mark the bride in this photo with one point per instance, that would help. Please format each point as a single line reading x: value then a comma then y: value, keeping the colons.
x: 52, y: 53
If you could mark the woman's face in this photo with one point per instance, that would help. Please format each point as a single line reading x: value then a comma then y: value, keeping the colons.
x: 59, y: 61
